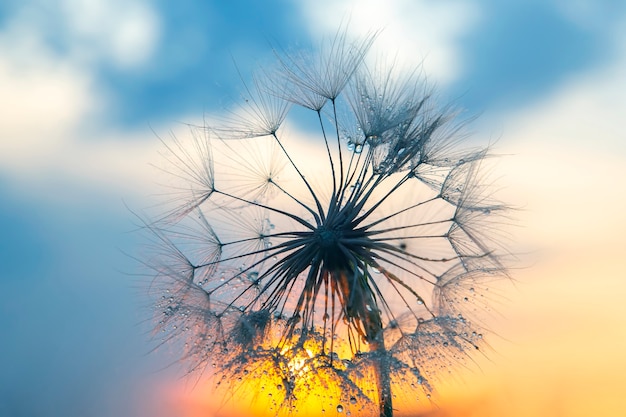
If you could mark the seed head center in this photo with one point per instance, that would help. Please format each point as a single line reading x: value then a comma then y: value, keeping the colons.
x: 328, y: 238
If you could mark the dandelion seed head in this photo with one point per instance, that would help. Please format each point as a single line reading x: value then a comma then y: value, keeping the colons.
x: 358, y: 268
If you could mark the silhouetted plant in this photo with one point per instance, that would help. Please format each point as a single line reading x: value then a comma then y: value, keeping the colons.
x: 354, y: 260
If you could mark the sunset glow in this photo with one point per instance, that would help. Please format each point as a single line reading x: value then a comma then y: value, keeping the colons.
x: 89, y: 89
x: 551, y: 359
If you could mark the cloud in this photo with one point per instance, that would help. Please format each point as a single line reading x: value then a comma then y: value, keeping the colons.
x: 591, y: 14
x: 42, y: 98
x: 569, y: 155
x: 125, y: 33
x: 53, y: 108
x: 49, y: 101
x: 424, y: 31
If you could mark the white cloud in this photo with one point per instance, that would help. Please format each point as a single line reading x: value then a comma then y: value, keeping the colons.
x: 42, y: 98
x: 49, y: 100
x: 424, y: 31
x: 590, y: 14
x: 569, y: 148
x: 569, y: 158
x: 124, y: 32
x: 45, y: 145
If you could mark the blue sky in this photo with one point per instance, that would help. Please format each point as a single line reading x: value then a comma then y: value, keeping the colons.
x: 86, y: 84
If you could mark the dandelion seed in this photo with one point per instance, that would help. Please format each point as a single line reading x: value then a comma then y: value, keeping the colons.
x: 358, y: 269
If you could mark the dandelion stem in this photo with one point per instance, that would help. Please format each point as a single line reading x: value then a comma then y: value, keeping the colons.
x: 330, y: 156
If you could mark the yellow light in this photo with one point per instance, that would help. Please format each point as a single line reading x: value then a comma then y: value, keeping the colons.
x: 297, y: 365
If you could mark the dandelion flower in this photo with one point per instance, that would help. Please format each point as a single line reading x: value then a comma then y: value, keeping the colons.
x: 340, y: 271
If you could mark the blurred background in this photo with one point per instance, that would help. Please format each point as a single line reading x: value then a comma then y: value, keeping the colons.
x: 86, y: 86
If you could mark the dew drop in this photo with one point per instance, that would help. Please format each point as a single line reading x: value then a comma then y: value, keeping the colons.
x: 352, y: 400
x: 340, y: 408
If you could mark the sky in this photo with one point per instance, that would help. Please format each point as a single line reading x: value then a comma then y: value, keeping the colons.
x: 88, y: 86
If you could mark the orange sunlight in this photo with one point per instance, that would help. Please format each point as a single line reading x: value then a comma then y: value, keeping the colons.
x: 558, y: 352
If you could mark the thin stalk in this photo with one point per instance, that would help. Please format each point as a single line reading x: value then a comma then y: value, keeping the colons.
x: 360, y: 305
x: 376, y: 343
